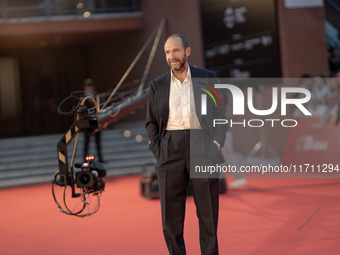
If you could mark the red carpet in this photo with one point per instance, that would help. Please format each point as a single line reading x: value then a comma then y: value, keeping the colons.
x: 269, y: 216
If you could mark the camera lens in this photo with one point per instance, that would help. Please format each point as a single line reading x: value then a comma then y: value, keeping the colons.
x: 84, y: 178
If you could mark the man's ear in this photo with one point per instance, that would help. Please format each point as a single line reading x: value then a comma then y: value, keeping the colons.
x: 188, y: 51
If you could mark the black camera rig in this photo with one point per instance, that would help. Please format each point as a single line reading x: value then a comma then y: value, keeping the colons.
x: 90, y: 180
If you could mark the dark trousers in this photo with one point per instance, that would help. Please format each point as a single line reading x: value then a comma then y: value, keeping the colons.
x: 173, y: 167
x: 87, y: 141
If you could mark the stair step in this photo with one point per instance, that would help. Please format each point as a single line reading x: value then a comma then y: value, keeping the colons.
x: 33, y: 160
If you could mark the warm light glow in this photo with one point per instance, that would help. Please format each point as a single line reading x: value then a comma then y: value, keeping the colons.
x: 86, y: 14
x: 127, y: 133
x: 139, y: 138
x: 89, y: 158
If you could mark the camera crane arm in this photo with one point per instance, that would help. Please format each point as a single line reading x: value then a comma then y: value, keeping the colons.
x: 97, y: 117
x: 83, y: 119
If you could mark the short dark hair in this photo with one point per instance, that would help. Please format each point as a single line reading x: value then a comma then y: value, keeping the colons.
x: 184, y: 41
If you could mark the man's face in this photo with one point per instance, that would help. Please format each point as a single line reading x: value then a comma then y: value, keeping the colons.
x: 175, y: 54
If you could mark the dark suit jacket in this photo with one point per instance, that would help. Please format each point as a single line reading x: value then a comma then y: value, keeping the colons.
x: 158, y: 109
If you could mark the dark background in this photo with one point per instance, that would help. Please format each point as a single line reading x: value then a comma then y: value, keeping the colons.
x: 250, y: 45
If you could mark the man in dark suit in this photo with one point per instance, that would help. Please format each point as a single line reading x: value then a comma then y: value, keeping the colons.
x: 90, y: 91
x: 180, y: 138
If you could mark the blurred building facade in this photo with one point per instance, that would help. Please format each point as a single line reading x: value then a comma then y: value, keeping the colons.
x: 47, y: 47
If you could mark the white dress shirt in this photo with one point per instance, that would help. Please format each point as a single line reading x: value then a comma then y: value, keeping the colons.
x: 182, y: 111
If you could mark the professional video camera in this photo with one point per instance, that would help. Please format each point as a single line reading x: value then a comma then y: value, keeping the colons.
x: 90, y: 180
x: 91, y: 176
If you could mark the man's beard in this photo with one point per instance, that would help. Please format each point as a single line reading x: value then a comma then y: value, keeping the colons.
x: 180, y: 65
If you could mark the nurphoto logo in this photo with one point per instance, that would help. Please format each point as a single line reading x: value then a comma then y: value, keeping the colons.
x: 238, y: 107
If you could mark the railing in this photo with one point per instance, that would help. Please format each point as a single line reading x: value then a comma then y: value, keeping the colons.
x: 45, y: 8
